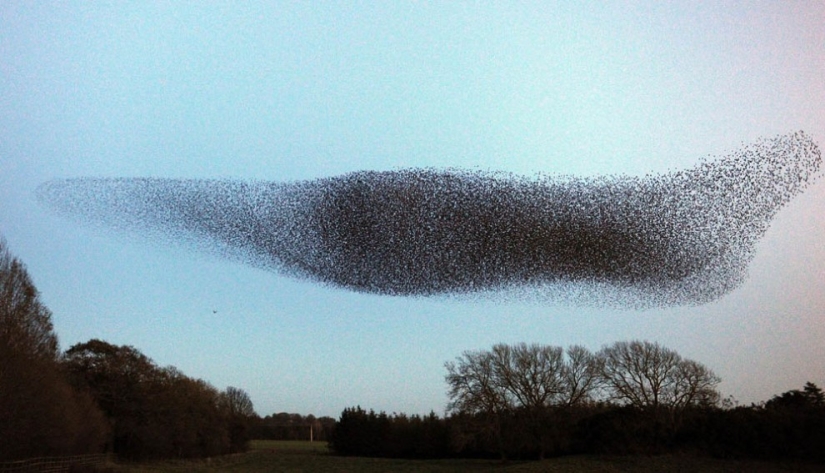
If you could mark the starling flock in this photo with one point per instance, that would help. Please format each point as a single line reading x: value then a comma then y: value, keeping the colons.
x: 684, y: 237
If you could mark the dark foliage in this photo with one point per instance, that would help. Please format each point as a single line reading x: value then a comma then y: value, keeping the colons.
x: 25, y: 323
x: 40, y: 413
x: 156, y: 412
x: 524, y: 399
x: 618, y: 430
x: 779, y: 430
x: 363, y: 433
x: 100, y: 396
x: 284, y: 426
x: 791, y: 425
x: 241, y: 417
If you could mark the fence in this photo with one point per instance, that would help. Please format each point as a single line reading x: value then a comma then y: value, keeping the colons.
x: 53, y: 464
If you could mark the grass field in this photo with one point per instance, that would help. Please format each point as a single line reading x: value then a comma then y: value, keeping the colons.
x: 289, y: 457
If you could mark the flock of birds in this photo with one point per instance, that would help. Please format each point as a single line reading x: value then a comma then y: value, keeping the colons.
x: 684, y: 237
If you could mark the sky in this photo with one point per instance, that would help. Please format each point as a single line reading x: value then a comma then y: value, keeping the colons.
x: 291, y: 91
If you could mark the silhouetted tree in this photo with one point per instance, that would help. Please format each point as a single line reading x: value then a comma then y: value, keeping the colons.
x: 533, y: 375
x: 580, y: 376
x: 814, y: 394
x: 25, y: 323
x: 648, y: 375
x: 237, y: 402
x: 810, y: 396
x: 521, y: 389
x: 363, y: 433
x: 284, y: 426
x: 657, y: 381
x: 241, y: 413
x: 476, y: 389
x: 154, y: 412
x: 40, y: 414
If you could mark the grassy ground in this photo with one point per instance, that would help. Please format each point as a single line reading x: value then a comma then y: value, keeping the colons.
x: 294, y: 457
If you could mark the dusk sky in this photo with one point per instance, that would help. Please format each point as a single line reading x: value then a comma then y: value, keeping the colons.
x: 291, y: 91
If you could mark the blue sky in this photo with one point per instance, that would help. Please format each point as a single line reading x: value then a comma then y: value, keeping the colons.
x: 289, y: 91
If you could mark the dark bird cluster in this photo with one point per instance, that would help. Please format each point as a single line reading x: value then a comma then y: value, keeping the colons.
x: 685, y: 237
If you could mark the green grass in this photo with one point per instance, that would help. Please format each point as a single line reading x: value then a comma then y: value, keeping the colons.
x: 266, y: 456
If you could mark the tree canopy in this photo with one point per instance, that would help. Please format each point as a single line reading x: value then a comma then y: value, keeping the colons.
x: 25, y: 323
x: 158, y: 412
x: 648, y: 375
x: 40, y: 414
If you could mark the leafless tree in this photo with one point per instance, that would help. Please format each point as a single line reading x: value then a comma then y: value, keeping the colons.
x: 474, y: 385
x: 648, y: 375
x: 696, y: 385
x: 237, y: 402
x: 530, y: 374
x: 524, y: 380
x: 475, y: 389
x: 580, y: 375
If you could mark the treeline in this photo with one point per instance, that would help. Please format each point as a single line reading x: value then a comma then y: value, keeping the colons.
x: 156, y: 412
x: 97, y: 397
x: 371, y: 434
x: 284, y: 426
x: 533, y: 401
x: 769, y: 431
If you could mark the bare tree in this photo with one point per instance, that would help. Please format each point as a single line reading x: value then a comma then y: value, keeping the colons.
x: 648, y: 375
x: 580, y: 375
x: 533, y: 376
x: 237, y: 402
x: 658, y: 381
x: 474, y: 385
x: 695, y: 385
x: 476, y: 390
x: 530, y: 374
x: 525, y: 381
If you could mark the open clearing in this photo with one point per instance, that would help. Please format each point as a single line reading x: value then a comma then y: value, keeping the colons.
x: 275, y: 456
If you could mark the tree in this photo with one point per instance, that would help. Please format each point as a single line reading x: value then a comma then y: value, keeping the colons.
x: 241, y: 413
x: 40, y: 414
x: 814, y: 394
x: 658, y: 382
x: 284, y: 426
x: 154, y: 412
x: 649, y: 376
x: 362, y: 433
x: 533, y: 376
x: 474, y: 385
x: 237, y: 402
x: 521, y: 380
x: 25, y: 323
x: 530, y: 374
x: 122, y: 381
x: 695, y: 386
x: 359, y: 432
x: 580, y: 376
x: 185, y: 418
x: 475, y: 389
x: 810, y: 396
x: 118, y: 376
